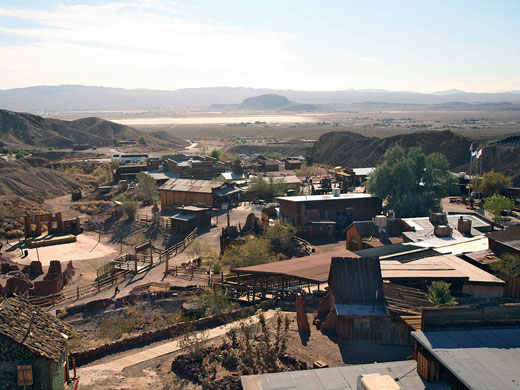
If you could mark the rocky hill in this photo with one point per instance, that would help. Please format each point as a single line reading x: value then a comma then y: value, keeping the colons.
x: 267, y: 102
x: 353, y: 150
x: 22, y: 130
x: 28, y: 177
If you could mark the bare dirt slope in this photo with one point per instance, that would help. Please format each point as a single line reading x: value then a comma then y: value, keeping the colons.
x: 29, y: 178
x: 353, y: 150
x: 23, y: 130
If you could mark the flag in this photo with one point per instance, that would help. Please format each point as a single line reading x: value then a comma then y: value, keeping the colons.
x: 479, y: 153
x: 474, y: 154
x: 471, y: 148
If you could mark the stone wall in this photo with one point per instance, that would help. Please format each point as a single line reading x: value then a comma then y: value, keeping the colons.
x: 83, y: 357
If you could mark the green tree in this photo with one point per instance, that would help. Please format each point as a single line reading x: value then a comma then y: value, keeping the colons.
x: 147, y: 187
x: 493, y: 183
x: 279, y: 236
x: 215, y: 153
x: 412, y: 181
x: 252, y: 252
x: 216, y: 302
x: 439, y: 294
x: 115, y: 141
x: 269, y: 188
x: 507, y: 267
x: 142, y: 141
x: 496, y: 204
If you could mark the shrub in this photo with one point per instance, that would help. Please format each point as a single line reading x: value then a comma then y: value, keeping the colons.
x: 439, y: 294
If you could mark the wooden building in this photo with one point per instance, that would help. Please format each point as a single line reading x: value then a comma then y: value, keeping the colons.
x: 369, y: 234
x: 357, y: 305
x: 505, y: 241
x: 33, y: 347
x: 318, y: 215
x: 293, y: 164
x: 203, y: 168
x: 183, y: 192
x: 189, y: 218
x: 470, y: 347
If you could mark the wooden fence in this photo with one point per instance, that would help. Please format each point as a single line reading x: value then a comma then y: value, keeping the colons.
x: 512, y: 289
x: 308, y: 248
x: 112, y: 272
x: 81, y: 291
x: 176, y: 248
x: 164, y: 222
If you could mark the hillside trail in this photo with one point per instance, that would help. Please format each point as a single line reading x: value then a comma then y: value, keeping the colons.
x: 173, y: 346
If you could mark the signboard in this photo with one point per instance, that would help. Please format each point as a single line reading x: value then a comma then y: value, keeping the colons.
x: 224, y: 206
x: 25, y: 375
x: 143, y: 247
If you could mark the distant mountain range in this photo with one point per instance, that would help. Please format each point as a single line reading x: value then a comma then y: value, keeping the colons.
x: 22, y: 130
x: 43, y: 99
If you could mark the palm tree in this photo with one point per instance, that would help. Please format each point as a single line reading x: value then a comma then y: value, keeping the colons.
x: 439, y: 294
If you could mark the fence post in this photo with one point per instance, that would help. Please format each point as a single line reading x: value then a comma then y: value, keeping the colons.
x: 77, y: 292
x: 166, y: 267
x: 98, y: 286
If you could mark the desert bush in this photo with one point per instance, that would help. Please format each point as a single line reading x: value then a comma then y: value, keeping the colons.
x: 257, y: 348
x: 216, y: 302
x: 507, y: 267
x: 193, y: 342
x: 14, y: 233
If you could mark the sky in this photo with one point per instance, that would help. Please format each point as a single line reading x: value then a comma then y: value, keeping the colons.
x: 411, y: 45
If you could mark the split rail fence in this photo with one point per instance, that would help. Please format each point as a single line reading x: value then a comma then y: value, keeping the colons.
x: 115, y: 271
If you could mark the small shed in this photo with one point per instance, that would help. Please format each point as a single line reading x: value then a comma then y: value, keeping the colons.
x: 183, y: 223
x: 357, y: 303
x: 33, y: 347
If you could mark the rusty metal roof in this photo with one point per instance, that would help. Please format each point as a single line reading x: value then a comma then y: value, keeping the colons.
x: 190, y: 185
x: 356, y: 280
x: 313, y: 268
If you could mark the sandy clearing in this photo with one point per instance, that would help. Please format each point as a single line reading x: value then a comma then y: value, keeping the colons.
x: 85, y: 248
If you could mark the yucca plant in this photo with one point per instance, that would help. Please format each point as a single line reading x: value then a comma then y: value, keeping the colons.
x: 439, y: 294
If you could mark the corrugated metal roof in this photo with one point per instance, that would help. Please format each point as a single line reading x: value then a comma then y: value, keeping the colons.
x: 356, y: 280
x: 312, y: 268
x: 482, y: 359
x: 313, y: 198
x: 316, y: 268
x: 189, y: 185
x: 339, y: 378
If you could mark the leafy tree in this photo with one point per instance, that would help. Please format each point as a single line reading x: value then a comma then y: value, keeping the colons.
x: 496, y: 204
x: 507, y: 267
x: 215, y: 153
x: 128, y: 205
x: 412, y: 181
x: 142, y: 141
x: 216, y: 302
x: 279, y: 236
x: 252, y: 252
x: 115, y: 141
x: 269, y: 188
x: 147, y: 186
x: 493, y: 183
x: 130, y: 208
x: 439, y: 294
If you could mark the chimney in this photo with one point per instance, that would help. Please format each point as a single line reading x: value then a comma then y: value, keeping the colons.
x: 464, y: 226
x: 442, y: 231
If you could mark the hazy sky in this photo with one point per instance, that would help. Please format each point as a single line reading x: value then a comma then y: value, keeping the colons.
x: 288, y: 44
